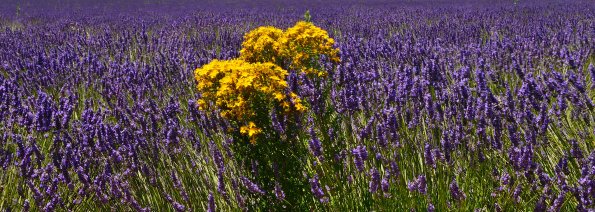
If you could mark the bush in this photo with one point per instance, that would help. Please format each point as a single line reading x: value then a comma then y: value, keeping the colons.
x: 252, y: 91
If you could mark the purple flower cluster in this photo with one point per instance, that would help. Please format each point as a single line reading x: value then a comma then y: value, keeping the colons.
x: 360, y: 154
x: 317, y: 189
x: 419, y: 184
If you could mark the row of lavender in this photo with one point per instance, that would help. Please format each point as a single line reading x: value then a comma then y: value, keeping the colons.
x: 459, y: 107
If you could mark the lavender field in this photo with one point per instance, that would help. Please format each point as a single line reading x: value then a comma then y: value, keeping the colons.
x: 430, y: 106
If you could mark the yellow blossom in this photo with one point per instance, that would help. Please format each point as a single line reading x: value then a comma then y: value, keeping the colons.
x: 251, y: 130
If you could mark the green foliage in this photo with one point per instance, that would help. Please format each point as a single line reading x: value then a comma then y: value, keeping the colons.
x: 307, y: 17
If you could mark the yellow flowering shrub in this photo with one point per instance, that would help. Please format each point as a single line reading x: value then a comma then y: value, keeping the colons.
x: 257, y: 80
x: 233, y: 86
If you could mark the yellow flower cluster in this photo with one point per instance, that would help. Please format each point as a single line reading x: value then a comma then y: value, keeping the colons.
x: 235, y: 85
x: 257, y: 80
x: 300, y: 46
x: 304, y: 43
x: 261, y: 45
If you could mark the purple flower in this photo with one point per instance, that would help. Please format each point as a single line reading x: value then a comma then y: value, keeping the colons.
x: 380, y: 135
x: 394, y: 169
x: 360, y: 154
x: 179, y: 207
x: 279, y: 192
x: 252, y: 187
x: 592, y: 71
x: 385, y: 184
x: 51, y: 205
x: 419, y: 184
x: 218, y: 157
x: 505, y: 178
x: 211, y: 207
x: 317, y: 190
x: 45, y: 112
x: 26, y: 205
x: 575, y: 151
x: 516, y: 194
x: 221, y: 183
x: 374, y: 181
x: 558, y: 201
x: 276, y: 123
x: 178, y: 185
x: 455, y: 192
x: 544, y: 178
x: 315, y: 145
x: 367, y: 130
x: 430, y: 160
x: 540, y: 206
x: 431, y: 207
